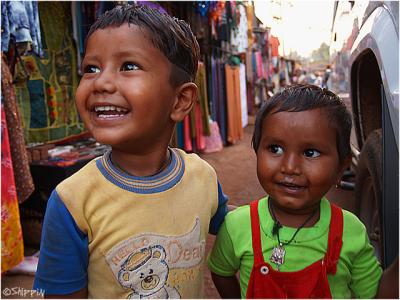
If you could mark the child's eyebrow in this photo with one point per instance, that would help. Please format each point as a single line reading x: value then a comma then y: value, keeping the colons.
x: 122, y: 53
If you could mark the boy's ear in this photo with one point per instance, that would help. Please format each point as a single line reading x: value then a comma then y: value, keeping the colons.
x: 186, y: 96
x: 344, y: 166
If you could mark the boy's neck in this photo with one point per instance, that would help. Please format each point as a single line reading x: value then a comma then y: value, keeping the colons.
x: 142, y: 164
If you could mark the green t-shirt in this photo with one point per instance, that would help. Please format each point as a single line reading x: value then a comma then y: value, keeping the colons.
x: 358, y: 271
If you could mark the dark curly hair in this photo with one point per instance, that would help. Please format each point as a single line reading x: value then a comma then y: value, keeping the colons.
x: 173, y: 37
x: 302, y: 97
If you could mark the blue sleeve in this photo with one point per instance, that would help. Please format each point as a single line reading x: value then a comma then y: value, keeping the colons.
x: 219, y: 216
x: 64, y: 257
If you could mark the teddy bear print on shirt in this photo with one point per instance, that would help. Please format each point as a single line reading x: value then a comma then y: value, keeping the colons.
x: 145, y: 272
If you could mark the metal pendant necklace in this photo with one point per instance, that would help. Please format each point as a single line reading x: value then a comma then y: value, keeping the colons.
x: 278, y: 252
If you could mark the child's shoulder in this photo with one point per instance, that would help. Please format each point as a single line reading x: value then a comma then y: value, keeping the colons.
x: 194, y: 163
x: 83, y: 176
x: 238, y: 216
x: 352, y: 224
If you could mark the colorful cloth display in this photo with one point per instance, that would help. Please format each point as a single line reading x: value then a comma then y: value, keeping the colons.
x: 12, y: 246
x: 23, y: 178
x: 46, y: 97
x: 20, y: 21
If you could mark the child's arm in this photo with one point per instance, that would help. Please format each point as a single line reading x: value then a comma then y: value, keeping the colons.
x: 63, y: 260
x: 228, y: 287
x: 224, y: 261
x: 222, y: 210
x: 389, y: 284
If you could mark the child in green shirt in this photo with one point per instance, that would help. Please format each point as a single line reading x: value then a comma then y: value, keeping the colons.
x: 293, y: 243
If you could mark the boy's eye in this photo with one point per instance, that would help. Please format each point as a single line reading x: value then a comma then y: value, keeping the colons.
x: 276, y: 149
x: 312, y: 153
x: 91, y: 69
x: 129, y: 66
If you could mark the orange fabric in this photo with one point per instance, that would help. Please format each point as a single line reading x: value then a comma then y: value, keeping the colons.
x: 274, y: 42
x: 310, y: 282
x: 12, y: 246
x: 234, y: 108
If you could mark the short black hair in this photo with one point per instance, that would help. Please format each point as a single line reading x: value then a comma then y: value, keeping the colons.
x: 302, y: 97
x: 173, y: 37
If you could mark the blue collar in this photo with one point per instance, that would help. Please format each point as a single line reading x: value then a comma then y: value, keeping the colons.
x: 160, y: 182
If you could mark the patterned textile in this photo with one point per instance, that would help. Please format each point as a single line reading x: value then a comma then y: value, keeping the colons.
x: 20, y: 19
x: 45, y: 88
x: 23, y: 177
x: 12, y: 246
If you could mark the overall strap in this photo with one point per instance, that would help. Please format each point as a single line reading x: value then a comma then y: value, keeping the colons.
x: 255, y: 233
x: 335, y: 239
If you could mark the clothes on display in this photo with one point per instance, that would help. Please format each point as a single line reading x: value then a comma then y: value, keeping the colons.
x: 22, y: 176
x: 234, y: 111
x: 12, y: 246
x: 20, y: 21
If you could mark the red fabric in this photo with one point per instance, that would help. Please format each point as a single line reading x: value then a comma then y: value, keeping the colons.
x: 200, y: 140
x: 274, y: 42
x: 186, y: 135
x: 310, y: 282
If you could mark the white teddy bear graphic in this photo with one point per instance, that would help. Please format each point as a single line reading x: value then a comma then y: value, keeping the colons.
x: 145, y: 272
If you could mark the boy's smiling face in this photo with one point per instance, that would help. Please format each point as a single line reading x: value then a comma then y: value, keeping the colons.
x: 297, y: 159
x: 125, y: 97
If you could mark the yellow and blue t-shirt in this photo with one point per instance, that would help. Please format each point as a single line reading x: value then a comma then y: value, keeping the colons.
x: 124, y: 236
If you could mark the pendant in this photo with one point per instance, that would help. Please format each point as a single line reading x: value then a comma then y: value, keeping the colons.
x: 278, y: 255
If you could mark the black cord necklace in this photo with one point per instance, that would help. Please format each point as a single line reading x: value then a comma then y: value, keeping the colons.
x: 278, y: 252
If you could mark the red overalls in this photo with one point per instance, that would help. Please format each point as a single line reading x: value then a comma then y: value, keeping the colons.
x: 311, y: 282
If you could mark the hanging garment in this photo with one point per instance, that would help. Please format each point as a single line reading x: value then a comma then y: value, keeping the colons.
x: 200, y: 141
x: 47, y: 98
x: 310, y: 282
x: 239, y: 37
x: 259, y: 64
x: 186, y: 135
x: 233, y: 103
x: 213, y: 83
x: 243, y: 95
x: 201, y: 82
x: 179, y: 135
x: 221, y: 100
x: 12, y: 246
x: 23, y: 178
x: 274, y: 42
x: 213, y: 143
x: 20, y: 20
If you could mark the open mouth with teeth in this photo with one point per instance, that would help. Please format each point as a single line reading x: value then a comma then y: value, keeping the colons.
x: 110, y: 111
x: 291, y: 186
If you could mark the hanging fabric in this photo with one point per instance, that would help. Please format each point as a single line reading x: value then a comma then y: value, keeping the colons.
x: 47, y: 98
x: 23, y: 178
x: 221, y: 99
x: 186, y: 135
x: 213, y: 143
x: 243, y: 95
x: 20, y: 20
x: 234, y: 110
x: 201, y: 83
x: 12, y: 246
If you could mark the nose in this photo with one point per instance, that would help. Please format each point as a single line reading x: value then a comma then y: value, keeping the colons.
x: 291, y: 164
x: 105, y: 81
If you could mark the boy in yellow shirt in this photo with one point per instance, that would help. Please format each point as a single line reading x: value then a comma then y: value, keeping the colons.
x: 133, y: 223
